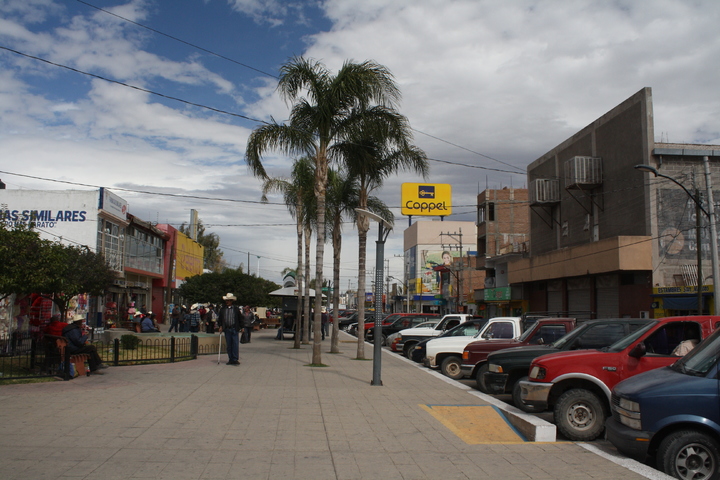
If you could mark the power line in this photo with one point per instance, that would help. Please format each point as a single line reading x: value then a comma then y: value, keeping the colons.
x: 195, y: 197
x: 135, y: 87
x: 177, y: 39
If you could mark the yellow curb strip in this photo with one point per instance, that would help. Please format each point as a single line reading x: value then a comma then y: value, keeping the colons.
x: 475, y: 424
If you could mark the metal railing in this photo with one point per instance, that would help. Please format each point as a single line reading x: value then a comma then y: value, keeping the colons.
x: 27, y: 356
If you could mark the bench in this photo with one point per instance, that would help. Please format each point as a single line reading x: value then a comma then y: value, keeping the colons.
x: 77, y: 359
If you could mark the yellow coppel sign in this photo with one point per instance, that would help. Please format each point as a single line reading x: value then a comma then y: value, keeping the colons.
x: 430, y: 199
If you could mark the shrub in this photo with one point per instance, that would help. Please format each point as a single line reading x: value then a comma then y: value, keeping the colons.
x: 129, y: 342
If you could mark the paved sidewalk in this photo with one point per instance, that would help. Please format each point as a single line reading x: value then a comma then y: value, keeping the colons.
x: 270, y: 418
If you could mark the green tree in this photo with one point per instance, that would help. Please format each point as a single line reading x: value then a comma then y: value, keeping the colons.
x: 26, y: 259
x: 210, y: 287
x: 212, y: 255
x: 326, y: 109
x: 82, y: 271
x: 296, y: 193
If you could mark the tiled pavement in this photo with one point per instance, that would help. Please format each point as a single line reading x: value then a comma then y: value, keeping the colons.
x: 272, y: 417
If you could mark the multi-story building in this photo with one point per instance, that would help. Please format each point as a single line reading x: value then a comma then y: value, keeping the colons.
x: 98, y: 219
x: 502, y: 235
x: 607, y: 240
x: 431, y: 271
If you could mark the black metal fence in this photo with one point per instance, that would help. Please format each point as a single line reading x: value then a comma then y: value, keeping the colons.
x: 25, y: 356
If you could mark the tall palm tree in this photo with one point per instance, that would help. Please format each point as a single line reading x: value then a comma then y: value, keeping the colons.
x: 371, y: 159
x: 326, y: 109
x: 295, y: 193
x: 341, y: 201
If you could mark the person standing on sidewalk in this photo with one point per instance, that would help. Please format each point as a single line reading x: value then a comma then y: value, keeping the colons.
x: 174, y: 318
x: 248, y: 321
x: 230, y: 321
x: 324, y: 320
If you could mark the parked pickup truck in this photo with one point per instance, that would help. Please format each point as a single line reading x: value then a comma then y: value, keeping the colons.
x: 506, y: 368
x: 410, y: 337
x: 670, y: 415
x: 545, y: 331
x: 446, y: 353
x: 577, y: 385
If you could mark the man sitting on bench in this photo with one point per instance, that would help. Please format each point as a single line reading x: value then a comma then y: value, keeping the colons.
x: 76, y: 344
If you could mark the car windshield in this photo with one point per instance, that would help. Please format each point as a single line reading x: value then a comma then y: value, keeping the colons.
x: 624, y: 342
x: 528, y: 332
x: 426, y: 324
x: 701, y: 358
x: 570, y: 337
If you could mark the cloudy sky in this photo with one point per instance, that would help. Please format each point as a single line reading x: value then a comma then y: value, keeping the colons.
x: 488, y: 87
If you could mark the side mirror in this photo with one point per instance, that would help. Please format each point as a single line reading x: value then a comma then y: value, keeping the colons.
x: 541, y: 341
x: 638, y: 350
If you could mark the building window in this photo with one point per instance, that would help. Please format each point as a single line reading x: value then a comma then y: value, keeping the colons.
x: 144, y: 251
x: 491, y: 212
x: 110, y: 243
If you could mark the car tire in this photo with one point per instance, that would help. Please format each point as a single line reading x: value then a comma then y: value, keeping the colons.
x: 370, y: 336
x: 580, y: 415
x: 689, y: 454
x: 480, y: 378
x: 408, y: 348
x: 517, y: 400
x: 451, y: 367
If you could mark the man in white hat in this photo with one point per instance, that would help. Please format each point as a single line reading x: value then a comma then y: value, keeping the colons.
x: 230, y: 321
x: 76, y: 344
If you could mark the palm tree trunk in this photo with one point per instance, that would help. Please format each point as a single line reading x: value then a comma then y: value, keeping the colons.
x: 362, y: 248
x: 306, y: 305
x: 321, y: 179
x: 299, y: 275
x: 337, y: 245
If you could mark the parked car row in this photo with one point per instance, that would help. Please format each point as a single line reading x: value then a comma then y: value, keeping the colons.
x: 630, y: 377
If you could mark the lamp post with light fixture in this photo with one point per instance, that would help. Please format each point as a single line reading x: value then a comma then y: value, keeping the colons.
x: 710, y: 214
x: 384, y: 229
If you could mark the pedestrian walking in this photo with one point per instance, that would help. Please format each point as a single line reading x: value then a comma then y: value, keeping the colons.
x: 174, y: 318
x: 193, y: 319
x: 324, y: 320
x: 248, y: 322
x: 230, y: 321
x: 210, y: 319
x: 184, y: 325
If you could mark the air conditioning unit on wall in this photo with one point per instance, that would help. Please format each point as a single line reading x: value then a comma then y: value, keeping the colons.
x: 544, y: 190
x: 583, y: 172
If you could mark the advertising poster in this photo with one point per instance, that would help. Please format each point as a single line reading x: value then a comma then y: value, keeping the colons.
x: 429, y: 259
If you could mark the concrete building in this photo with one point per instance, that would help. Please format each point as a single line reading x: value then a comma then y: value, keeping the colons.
x: 607, y: 241
x: 138, y: 251
x: 502, y: 235
x: 432, y: 244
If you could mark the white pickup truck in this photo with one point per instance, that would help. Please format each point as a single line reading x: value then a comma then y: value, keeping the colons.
x: 446, y: 353
x: 408, y: 338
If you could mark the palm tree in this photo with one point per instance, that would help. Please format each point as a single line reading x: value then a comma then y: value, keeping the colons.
x: 294, y: 194
x: 342, y: 199
x: 382, y: 150
x: 326, y: 109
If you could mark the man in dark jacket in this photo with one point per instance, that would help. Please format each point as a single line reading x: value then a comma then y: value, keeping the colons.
x: 76, y: 344
x: 230, y: 321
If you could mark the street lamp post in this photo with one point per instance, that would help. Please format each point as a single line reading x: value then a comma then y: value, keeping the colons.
x: 710, y: 214
x: 383, y: 231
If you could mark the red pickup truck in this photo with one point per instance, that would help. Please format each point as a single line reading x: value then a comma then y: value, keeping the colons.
x: 577, y: 384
